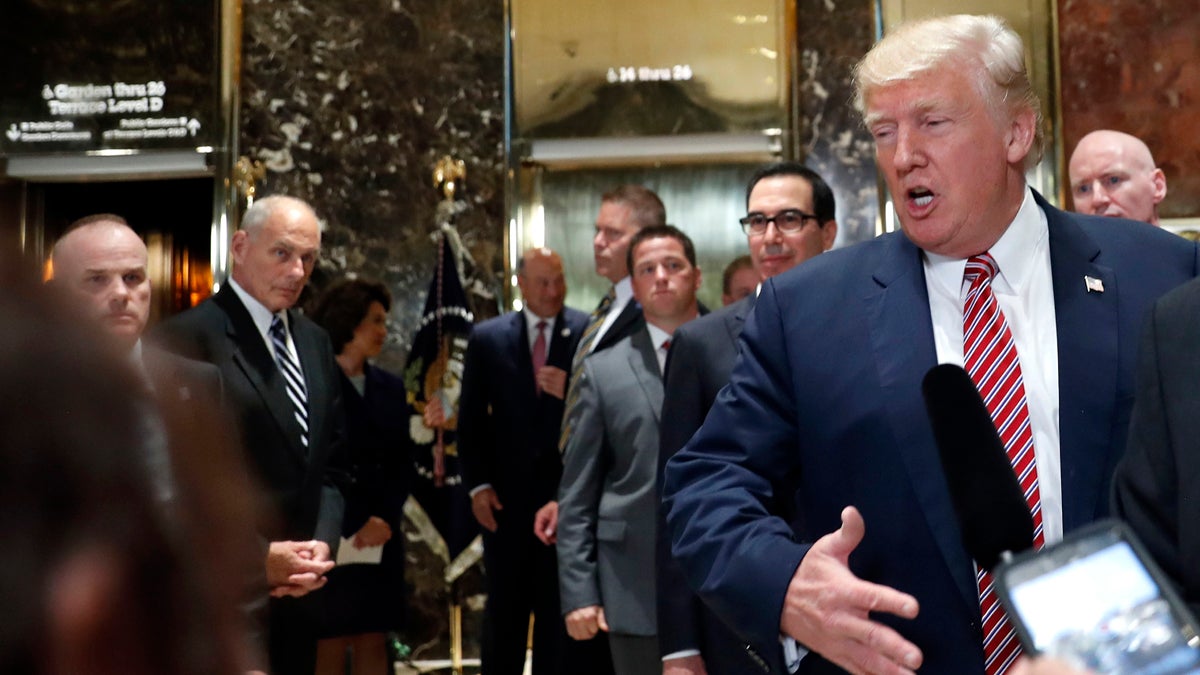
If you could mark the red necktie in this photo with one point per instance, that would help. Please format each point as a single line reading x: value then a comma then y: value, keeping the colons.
x: 990, y: 356
x: 539, y: 350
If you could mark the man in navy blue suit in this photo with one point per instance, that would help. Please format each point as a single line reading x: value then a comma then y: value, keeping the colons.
x: 790, y: 218
x: 510, y: 412
x: 823, y: 410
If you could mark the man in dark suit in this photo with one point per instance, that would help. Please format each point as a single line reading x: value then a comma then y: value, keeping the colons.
x: 790, y: 218
x: 510, y: 414
x: 281, y: 383
x: 607, y: 496
x: 100, y: 264
x: 1156, y: 487
x: 823, y: 409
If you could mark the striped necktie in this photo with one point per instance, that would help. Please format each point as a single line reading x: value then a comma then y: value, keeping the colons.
x: 585, y: 346
x: 292, y: 375
x: 595, y: 321
x: 990, y: 357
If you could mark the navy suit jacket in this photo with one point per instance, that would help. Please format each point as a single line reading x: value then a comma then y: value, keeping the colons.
x: 824, y: 410
x: 702, y: 355
x: 507, y: 432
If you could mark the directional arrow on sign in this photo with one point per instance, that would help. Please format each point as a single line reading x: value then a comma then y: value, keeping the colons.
x: 193, y: 126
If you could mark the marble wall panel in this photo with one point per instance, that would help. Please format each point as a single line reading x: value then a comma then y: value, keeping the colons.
x: 349, y: 104
x: 1132, y: 65
x: 832, y: 35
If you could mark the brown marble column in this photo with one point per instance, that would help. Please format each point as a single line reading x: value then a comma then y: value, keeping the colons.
x: 1133, y: 65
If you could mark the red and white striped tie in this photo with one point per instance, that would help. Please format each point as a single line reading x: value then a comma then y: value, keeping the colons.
x: 990, y: 357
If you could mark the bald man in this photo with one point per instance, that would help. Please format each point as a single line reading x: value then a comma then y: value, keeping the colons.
x: 1113, y: 174
x: 99, y: 265
x: 509, y: 416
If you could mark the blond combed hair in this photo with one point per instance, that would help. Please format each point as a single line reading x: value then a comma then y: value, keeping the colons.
x: 984, y: 44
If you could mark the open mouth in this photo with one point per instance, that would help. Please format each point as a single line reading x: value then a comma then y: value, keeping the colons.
x: 920, y: 196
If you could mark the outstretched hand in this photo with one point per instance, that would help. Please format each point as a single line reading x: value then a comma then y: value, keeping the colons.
x: 827, y: 609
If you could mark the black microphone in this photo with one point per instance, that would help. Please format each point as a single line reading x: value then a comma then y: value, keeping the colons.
x: 988, y: 500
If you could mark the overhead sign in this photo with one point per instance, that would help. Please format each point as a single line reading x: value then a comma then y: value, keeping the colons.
x: 108, y: 75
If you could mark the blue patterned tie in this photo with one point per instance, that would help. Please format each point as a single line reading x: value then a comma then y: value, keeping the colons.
x: 292, y: 376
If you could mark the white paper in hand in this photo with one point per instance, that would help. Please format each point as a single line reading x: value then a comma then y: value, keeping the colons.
x: 367, y: 555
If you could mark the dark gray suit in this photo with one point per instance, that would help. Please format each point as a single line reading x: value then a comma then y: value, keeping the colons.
x: 701, y: 358
x: 607, y: 497
x: 1157, y: 484
x: 302, y: 498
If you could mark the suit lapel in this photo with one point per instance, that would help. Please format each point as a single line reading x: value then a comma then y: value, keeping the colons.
x: 736, y: 320
x: 560, y: 341
x: 901, y: 334
x: 1087, y: 364
x: 620, y: 326
x: 518, y: 344
x: 644, y: 363
x: 258, y: 365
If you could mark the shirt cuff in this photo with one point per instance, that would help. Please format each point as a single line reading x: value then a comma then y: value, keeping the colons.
x: 478, y: 488
x: 681, y: 654
x: 793, y: 653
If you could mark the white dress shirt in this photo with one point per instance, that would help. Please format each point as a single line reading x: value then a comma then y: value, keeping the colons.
x: 1024, y: 290
x: 531, y: 331
x: 658, y: 337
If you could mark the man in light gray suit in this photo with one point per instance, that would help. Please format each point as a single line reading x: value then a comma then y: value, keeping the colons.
x: 607, y: 500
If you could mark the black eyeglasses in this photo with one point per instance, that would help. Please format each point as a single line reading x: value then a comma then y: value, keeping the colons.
x: 788, y: 221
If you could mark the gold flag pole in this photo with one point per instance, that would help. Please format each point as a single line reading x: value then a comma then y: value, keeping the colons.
x: 448, y: 174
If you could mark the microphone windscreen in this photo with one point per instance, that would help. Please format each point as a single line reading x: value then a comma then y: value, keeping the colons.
x: 988, y: 500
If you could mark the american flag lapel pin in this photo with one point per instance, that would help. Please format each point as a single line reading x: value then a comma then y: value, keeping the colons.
x: 1093, y: 284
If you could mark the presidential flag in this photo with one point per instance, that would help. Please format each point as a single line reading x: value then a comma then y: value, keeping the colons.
x: 433, y: 378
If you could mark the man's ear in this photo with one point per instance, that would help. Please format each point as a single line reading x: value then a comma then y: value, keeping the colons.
x: 828, y: 234
x: 1160, y: 185
x: 1020, y: 136
x: 237, y: 246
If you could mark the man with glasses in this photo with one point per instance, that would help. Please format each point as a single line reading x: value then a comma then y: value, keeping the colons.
x: 790, y: 218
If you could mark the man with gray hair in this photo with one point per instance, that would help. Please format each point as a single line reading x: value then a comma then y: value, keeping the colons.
x: 281, y: 384
x: 823, y: 420
x: 1113, y: 174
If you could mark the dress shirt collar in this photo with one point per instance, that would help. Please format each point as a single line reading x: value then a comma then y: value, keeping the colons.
x: 657, y: 337
x: 258, y: 312
x: 531, y: 331
x: 1028, y: 232
x: 624, y: 291
x: 531, y: 321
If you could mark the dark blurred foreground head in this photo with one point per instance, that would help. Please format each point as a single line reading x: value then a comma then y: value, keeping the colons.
x: 98, y: 576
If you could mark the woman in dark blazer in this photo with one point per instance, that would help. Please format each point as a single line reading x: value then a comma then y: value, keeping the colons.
x: 368, y: 598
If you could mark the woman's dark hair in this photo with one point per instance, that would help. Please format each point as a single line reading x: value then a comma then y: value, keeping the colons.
x: 343, y: 306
